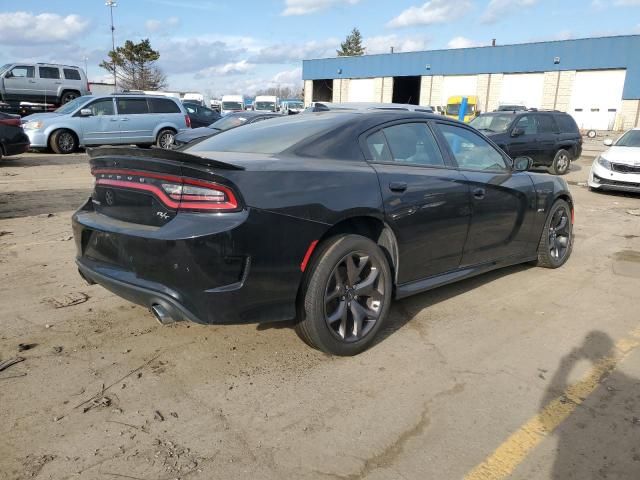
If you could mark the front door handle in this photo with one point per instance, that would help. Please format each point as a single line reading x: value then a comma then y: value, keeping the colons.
x: 479, y: 193
x: 398, y: 186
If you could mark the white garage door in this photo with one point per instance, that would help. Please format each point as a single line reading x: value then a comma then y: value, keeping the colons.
x: 597, y: 98
x: 361, y: 90
x: 522, y: 89
x: 462, y: 85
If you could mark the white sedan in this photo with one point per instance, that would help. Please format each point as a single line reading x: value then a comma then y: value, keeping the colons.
x: 619, y: 167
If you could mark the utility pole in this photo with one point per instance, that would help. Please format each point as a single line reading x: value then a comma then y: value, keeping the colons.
x: 111, y: 4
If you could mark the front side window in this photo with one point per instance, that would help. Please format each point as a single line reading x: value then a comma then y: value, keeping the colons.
x: 413, y: 143
x: 101, y: 107
x: 49, y: 72
x: 132, y: 106
x: 471, y: 151
x: 23, y: 72
x: 527, y: 124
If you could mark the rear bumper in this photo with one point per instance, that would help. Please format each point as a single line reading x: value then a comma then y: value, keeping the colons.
x: 16, y: 148
x: 211, y: 269
x: 132, y: 291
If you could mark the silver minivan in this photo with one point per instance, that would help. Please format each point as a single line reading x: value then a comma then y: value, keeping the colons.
x: 117, y: 119
x: 42, y: 83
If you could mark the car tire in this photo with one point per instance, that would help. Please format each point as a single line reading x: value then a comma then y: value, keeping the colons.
x: 166, y: 138
x: 557, y: 236
x: 561, y: 162
x: 68, y: 96
x: 345, y: 297
x: 64, y: 142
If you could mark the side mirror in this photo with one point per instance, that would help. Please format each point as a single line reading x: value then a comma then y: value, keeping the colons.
x: 9, y: 74
x: 517, y: 131
x: 608, y: 142
x: 522, y: 164
x: 86, y: 112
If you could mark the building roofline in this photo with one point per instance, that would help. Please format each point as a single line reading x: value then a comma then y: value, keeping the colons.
x: 604, y: 37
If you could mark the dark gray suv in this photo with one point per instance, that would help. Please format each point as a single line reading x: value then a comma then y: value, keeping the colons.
x: 550, y: 138
x: 42, y: 83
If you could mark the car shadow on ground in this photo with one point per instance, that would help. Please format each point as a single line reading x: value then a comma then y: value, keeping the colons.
x: 601, y: 434
x: 405, y: 310
x: 33, y: 159
x: 44, y: 202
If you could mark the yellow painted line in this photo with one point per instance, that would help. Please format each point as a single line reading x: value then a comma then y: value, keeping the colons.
x: 506, y: 458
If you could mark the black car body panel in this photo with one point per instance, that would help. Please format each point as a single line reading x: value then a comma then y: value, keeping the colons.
x: 247, y: 262
x: 538, y: 143
x: 13, y: 140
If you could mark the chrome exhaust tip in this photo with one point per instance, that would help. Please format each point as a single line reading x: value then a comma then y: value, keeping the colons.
x: 161, y: 314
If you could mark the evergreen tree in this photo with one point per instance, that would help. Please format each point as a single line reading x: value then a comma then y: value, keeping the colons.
x: 352, y: 46
x: 135, y: 66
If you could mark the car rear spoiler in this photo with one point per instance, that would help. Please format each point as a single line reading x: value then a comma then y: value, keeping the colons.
x: 158, y: 153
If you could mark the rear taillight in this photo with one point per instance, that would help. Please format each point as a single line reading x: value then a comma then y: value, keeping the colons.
x: 196, y: 195
x: 187, y: 120
x: 174, y: 192
x: 14, y: 122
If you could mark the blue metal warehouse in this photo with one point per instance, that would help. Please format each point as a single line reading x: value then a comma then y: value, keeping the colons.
x: 597, y: 80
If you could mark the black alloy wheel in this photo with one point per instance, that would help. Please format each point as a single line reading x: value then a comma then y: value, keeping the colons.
x: 557, y: 238
x: 354, y: 296
x: 68, y: 96
x: 346, y: 295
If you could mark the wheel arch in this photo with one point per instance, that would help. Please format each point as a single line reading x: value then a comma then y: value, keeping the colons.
x: 67, y: 89
x: 164, y: 126
x: 372, y: 228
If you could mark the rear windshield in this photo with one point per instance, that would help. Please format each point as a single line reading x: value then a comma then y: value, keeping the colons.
x: 629, y: 139
x: 230, y: 121
x: 274, y: 136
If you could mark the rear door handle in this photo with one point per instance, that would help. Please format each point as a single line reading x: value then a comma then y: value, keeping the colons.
x: 398, y: 186
x: 479, y: 193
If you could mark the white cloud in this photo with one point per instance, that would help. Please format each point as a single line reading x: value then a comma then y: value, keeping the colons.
x: 292, y: 53
x: 431, y: 12
x: 498, y: 9
x: 627, y: 3
x: 306, y: 7
x: 289, y: 78
x: 234, y: 68
x: 17, y: 28
x: 164, y: 26
x: 383, y: 43
x: 461, y: 42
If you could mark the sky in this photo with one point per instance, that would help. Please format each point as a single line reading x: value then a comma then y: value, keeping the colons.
x: 240, y: 46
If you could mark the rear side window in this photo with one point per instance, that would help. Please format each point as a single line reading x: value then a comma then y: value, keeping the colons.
x: 378, y: 148
x: 566, y: 123
x: 132, y: 106
x: 162, y: 105
x: 413, y: 143
x: 71, y: 74
x: 49, y: 72
x: 546, y: 124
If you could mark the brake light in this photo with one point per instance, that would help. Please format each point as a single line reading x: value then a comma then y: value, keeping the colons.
x: 14, y: 122
x: 187, y: 120
x: 175, y: 192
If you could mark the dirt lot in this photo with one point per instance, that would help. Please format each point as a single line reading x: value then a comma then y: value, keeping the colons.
x: 469, y: 380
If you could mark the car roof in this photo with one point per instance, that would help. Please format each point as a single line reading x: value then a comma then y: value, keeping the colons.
x: 372, y: 106
x: 251, y: 113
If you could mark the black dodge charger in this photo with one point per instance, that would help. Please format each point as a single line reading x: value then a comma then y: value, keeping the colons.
x: 324, y: 218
